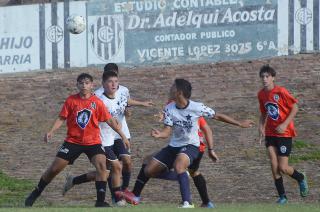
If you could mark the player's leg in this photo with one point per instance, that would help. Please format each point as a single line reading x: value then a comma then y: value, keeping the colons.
x: 124, y: 155
x: 67, y: 153
x: 184, y: 159
x: 277, y: 177
x: 284, y: 150
x: 161, y: 162
x: 96, y: 155
x: 77, y: 180
x: 114, y: 180
x: 200, y: 182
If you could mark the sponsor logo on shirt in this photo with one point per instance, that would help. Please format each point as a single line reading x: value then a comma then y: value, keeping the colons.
x: 93, y: 105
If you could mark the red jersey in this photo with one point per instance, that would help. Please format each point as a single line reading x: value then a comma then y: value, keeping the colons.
x: 277, y: 105
x: 202, y: 122
x: 83, y: 117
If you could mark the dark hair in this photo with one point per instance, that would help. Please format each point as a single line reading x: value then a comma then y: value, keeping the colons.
x: 111, y: 67
x: 267, y: 69
x: 84, y: 76
x: 106, y: 75
x: 184, y: 86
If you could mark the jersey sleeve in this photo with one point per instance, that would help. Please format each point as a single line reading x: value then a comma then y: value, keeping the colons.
x: 206, y: 111
x: 167, y: 117
x: 202, y: 122
x: 261, y: 104
x: 103, y: 113
x: 64, y: 113
x: 289, y: 99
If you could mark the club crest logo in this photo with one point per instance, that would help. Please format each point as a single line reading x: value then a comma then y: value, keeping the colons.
x: 83, y: 118
x: 93, y: 105
x: 303, y: 16
x: 276, y: 97
x: 54, y: 34
x: 272, y: 110
x: 283, y: 149
x: 107, y: 37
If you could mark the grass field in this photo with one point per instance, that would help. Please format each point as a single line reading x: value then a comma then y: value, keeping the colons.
x: 13, y: 191
x: 157, y: 208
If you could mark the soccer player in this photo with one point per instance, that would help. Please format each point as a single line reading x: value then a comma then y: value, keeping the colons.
x: 82, y: 113
x: 123, y: 153
x: 197, y: 177
x: 116, y: 105
x: 181, y: 120
x: 278, y: 109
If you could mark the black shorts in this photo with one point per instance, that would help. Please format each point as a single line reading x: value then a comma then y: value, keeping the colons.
x: 120, y: 149
x: 168, y: 155
x: 283, y: 144
x: 70, y: 152
x: 110, y: 155
x: 196, y: 162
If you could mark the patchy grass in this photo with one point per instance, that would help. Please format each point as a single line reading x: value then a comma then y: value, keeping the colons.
x: 254, y: 207
x: 13, y: 191
x: 312, y: 156
x: 299, y: 144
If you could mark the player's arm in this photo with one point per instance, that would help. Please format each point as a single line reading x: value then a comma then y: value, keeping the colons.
x: 262, y: 126
x: 208, y: 135
x: 116, y: 126
x: 230, y: 120
x: 164, y: 133
x: 281, y: 128
x: 133, y: 102
x: 57, y: 124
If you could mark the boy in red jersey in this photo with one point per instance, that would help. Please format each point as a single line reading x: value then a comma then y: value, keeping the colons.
x: 82, y: 112
x: 278, y: 108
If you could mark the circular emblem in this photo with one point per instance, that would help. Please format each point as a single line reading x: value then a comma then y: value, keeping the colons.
x: 283, y: 149
x: 54, y: 34
x: 107, y: 37
x: 276, y: 97
x: 303, y: 16
x: 105, y: 34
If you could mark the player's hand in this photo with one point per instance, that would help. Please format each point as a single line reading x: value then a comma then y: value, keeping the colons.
x: 247, y: 123
x: 213, y: 156
x: 47, y: 137
x: 117, y: 124
x: 281, y: 128
x: 126, y: 143
x: 159, y: 116
x: 155, y: 133
x: 127, y: 112
x: 148, y: 104
x: 261, y: 136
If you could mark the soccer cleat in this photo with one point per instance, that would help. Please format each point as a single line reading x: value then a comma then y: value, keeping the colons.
x: 128, y: 196
x: 186, y: 204
x: 120, y: 203
x: 208, y: 205
x: 282, y: 200
x: 68, y: 185
x: 303, y: 185
x: 31, y: 198
x: 102, y: 205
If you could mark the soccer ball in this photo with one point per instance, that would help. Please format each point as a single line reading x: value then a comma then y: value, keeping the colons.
x: 76, y: 24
